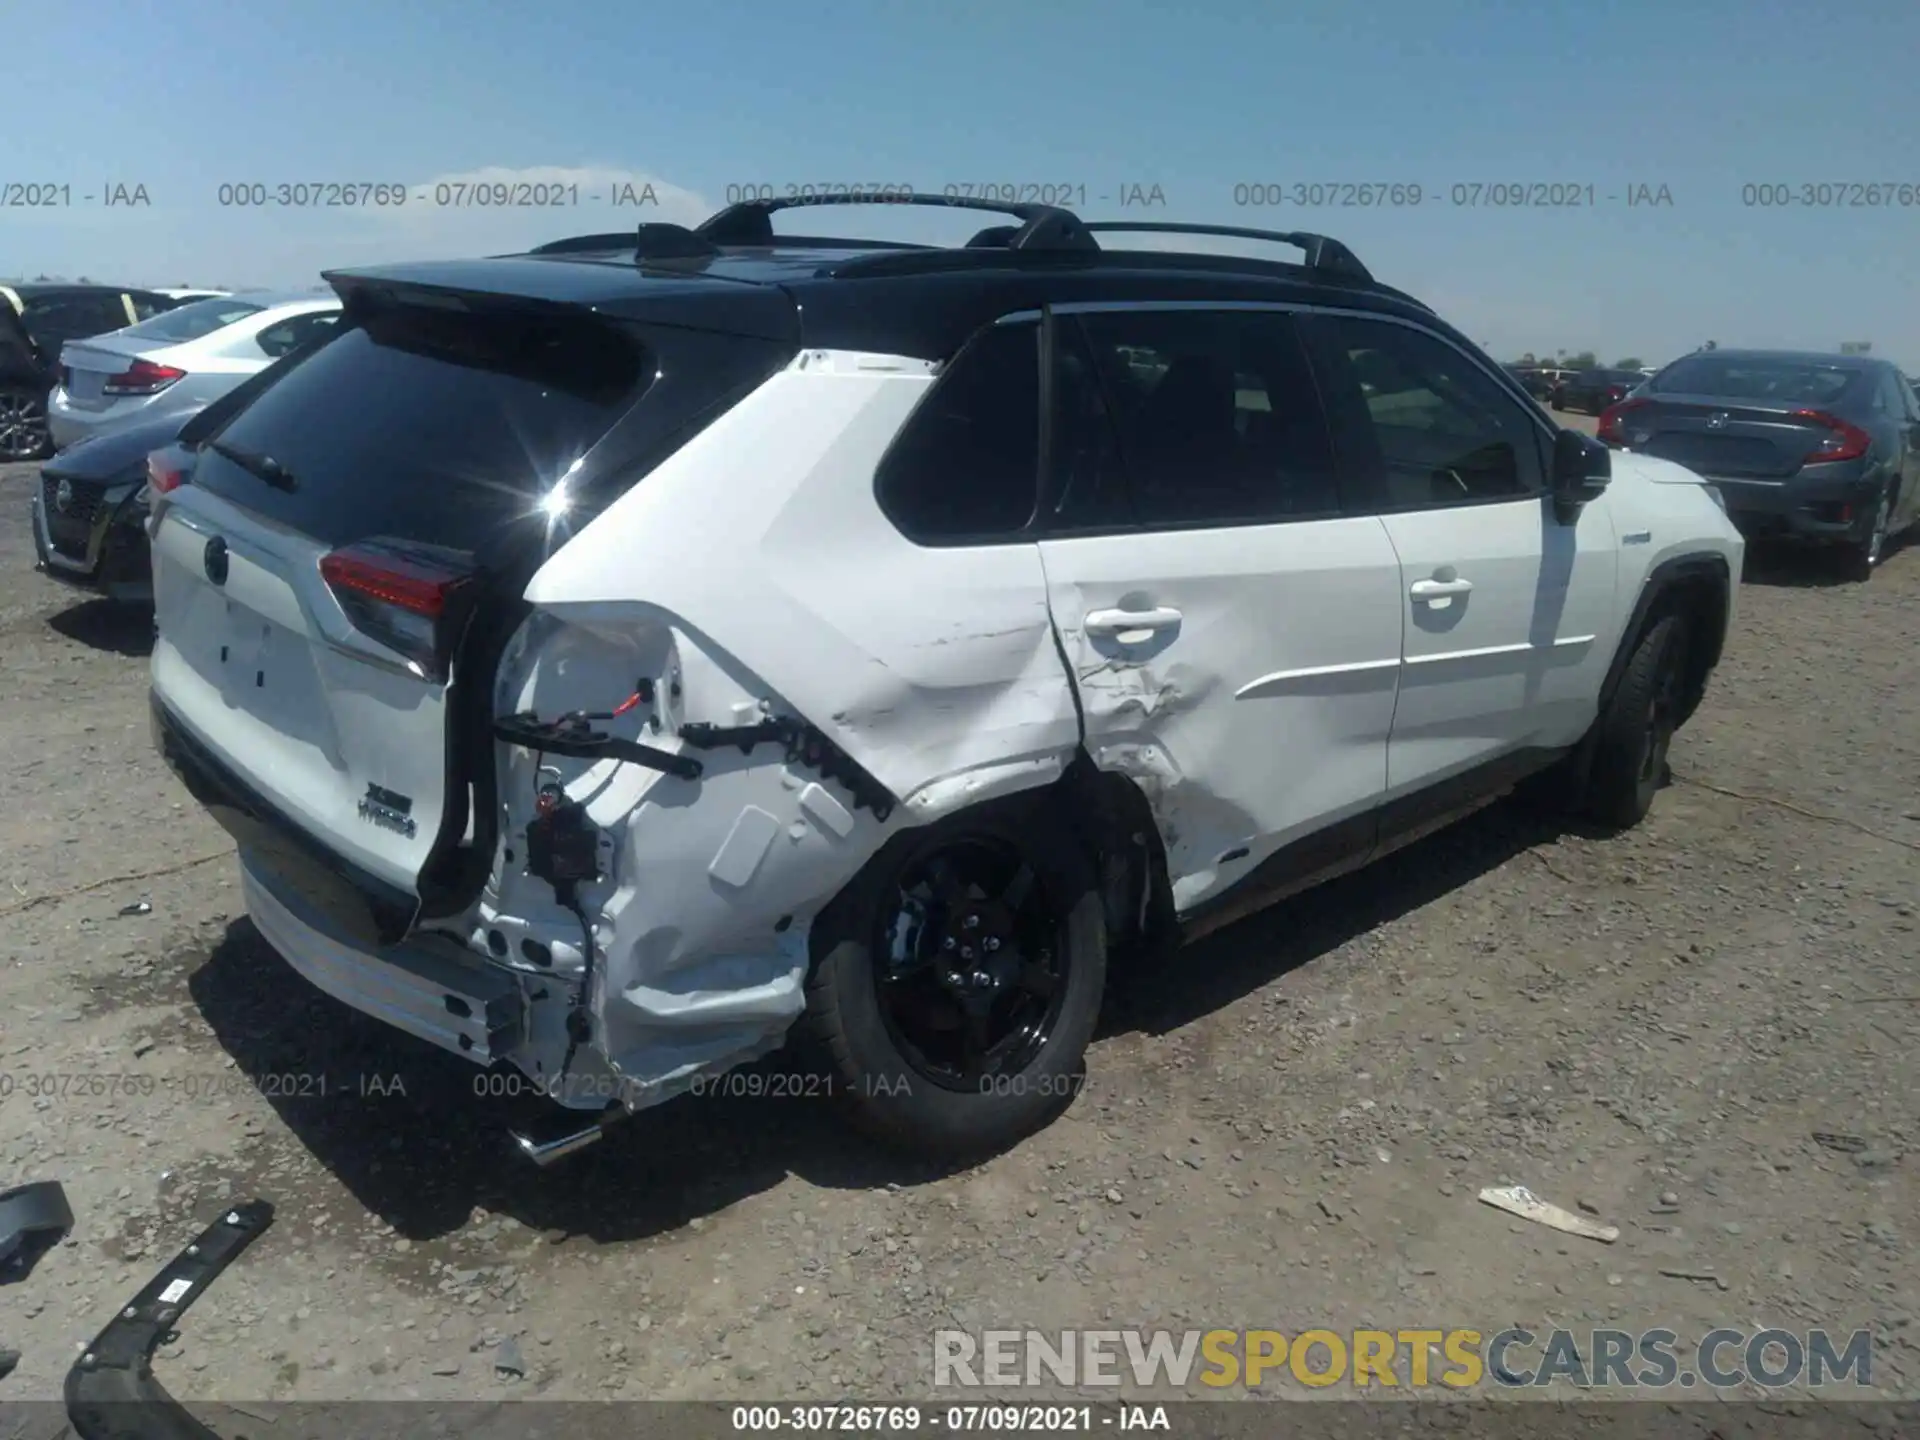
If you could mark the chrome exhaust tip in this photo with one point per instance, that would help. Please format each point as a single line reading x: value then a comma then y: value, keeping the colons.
x: 550, y: 1152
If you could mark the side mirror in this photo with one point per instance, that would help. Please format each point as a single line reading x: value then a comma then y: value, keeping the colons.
x: 1582, y: 467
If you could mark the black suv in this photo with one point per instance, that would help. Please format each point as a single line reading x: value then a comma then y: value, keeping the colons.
x: 35, y: 321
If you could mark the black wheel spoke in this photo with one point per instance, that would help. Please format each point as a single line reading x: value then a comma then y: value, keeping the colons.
x: 1018, y: 889
x: 947, y: 886
x: 1034, y: 978
x: 975, y: 974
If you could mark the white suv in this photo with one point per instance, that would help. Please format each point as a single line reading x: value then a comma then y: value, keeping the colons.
x: 612, y: 658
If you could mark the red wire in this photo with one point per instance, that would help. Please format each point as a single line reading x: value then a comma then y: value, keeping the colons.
x: 627, y: 704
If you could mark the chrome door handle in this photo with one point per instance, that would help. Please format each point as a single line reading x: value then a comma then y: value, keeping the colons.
x: 1128, y: 622
x: 1439, y: 589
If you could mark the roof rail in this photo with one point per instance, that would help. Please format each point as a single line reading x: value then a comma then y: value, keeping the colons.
x: 1042, y: 227
x: 652, y: 241
x: 1323, y: 252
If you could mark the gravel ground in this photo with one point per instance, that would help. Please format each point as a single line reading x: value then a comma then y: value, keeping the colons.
x: 1287, y: 1128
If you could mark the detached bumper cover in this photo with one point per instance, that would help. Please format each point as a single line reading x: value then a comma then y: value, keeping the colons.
x: 111, y: 1393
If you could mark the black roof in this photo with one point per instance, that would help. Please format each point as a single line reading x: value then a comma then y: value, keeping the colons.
x: 921, y: 300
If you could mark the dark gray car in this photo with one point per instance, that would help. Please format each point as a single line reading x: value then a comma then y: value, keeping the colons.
x: 1812, y: 446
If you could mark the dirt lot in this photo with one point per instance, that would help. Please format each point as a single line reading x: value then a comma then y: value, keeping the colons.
x: 1288, y: 1127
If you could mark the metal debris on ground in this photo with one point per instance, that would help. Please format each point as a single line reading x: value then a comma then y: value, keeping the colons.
x: 138, y: 907
x: 1518, y: 1200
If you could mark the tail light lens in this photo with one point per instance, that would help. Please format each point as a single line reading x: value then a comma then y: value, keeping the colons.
x: 166, y: 471
x: 411, y: 598
x: 142, y: 377
x: 1612, y: 427
x: 1848, y: 442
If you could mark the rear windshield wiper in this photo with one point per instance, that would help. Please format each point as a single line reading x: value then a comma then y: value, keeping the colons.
x: 261, y: 467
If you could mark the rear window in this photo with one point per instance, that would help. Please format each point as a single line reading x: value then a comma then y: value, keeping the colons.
x: 428, y: 425
x: 1799, y: 382
x: 192, y: 320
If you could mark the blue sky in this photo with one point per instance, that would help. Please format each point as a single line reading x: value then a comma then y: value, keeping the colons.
x: 1700, y: 96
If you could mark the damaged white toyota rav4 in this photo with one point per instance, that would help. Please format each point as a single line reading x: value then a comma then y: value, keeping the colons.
x: 617, y: 660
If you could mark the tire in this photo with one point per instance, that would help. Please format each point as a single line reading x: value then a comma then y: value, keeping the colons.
x: 1864, y: 555
x: 893, y: 1088
x: 23, y: 426
x: 1635, y: 731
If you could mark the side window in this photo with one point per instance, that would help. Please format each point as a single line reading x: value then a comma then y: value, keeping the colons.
x: 966, y: 466
x: 146, y: 306
x: 1216, y: 416
x: 1419, y: 422
x: 277, y: 340
x: 1912, y: 401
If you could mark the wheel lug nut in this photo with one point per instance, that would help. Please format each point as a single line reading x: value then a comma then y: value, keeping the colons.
x: 947, y: 944
x: 992, y: 945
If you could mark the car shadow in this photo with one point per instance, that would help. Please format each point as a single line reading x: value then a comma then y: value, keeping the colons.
x: 419, y: 1136
x: 1231, y: 963
x: 110, y: 625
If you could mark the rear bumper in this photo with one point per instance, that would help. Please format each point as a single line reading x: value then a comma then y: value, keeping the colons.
x: 68, y: 424
x: 352, y: 904
x: 442, y: 994
x: 1807, y: 507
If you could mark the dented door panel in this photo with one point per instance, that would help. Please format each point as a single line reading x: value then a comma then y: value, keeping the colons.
x: 1260, y: 709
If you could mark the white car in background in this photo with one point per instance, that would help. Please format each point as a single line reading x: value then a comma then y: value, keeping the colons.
x: 177, y: 361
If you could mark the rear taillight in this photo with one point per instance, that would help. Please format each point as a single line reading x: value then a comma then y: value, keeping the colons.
x: 165, y: 472
x: 1610, y: 431
x: 142, y: 377
x: 409, y: 597
x: 1848, y: 442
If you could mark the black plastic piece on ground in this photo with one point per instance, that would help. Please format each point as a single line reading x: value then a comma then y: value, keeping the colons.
x: 805, y: 746
x: 33, y: 1219
x: 111, y: 1393
x: 582, y: 742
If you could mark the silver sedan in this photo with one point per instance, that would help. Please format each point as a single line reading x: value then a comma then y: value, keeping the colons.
x: 177, y: 361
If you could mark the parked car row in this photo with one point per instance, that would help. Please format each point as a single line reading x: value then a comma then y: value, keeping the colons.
x: 76, y: 358
x: 615, y: 674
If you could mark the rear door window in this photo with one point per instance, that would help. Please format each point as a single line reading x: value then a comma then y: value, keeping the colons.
x: 1217, y: 417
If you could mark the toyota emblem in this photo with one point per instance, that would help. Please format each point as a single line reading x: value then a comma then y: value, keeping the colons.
x: 63, y: 497
x: 215, y: 560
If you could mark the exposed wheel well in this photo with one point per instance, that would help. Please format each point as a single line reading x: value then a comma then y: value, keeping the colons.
x: 1113, y: 817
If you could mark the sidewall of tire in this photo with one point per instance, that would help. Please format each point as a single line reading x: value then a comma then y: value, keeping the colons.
x: 1616, y: 793
x: 880, y: 1090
